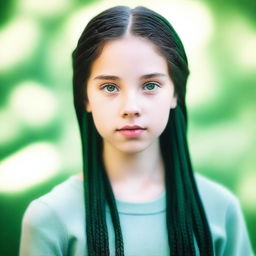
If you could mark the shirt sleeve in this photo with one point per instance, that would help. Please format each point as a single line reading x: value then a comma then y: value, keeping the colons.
x: 237, y: 239
x: 42, y: 233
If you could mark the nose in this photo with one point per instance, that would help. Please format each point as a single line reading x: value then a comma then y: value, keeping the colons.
x: 131, y: 106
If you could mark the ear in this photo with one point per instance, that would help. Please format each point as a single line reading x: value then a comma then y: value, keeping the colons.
x: 174, y: 101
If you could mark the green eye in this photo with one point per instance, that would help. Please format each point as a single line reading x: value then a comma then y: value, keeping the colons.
x: 110, y: 87
x: 151, y: 85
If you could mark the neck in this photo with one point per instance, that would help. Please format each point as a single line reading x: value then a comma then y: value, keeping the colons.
x: 139, y: 171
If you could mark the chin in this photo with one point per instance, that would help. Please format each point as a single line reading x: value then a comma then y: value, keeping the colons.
x: 133, y: 148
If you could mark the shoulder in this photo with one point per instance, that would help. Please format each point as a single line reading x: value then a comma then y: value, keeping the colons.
x: 214, y: 193
x: 65, y: 195
x: 220, y: 203
x: 226, y: 220
x: 52, y: 220
x: 64, y: 202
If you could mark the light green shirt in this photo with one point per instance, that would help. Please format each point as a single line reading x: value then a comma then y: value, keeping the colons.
x: 54, y: 224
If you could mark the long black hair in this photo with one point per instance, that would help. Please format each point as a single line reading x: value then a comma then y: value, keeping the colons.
x: 186, y: 218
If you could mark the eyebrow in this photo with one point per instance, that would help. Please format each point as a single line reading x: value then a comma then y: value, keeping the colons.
x: 115, y: 78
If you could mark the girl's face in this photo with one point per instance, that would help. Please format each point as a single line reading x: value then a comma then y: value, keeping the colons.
x: 129, y: 85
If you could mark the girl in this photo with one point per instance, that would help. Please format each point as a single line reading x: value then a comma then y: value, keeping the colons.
x: 137, y: 194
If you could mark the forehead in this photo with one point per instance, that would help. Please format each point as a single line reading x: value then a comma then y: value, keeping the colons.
x: 129, y: 54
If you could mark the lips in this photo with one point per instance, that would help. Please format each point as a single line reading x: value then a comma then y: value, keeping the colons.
x: 132, y: 132
x: 132, y: 127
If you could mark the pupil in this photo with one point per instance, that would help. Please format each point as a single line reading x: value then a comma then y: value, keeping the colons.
x: 111, y: 88
x: 151, y: 86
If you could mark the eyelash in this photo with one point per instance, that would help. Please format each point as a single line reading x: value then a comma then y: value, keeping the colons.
x: 110, y: 84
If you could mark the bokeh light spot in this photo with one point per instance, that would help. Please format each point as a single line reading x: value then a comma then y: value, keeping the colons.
x: 45, y: 8
x: 18, y: 42
x: 247, y: 190
x: 31, y: 165
x: 225, y: 141
x: 33, y: 103
x: 240, y: 38
x: 10, y: 127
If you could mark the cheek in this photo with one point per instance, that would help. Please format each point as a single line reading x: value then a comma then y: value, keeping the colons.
x: 102, y: 118
x: 160, y: 113
x: 99, y: 123
x: 163, y: 103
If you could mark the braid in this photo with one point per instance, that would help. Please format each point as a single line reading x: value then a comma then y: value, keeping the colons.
x: 205, y: 240
x: 185, y: 212
x: 183, y: 170
x: 199, y: 220
x: 97, y: 191
x: 114, y: 215
x: 96, y: 228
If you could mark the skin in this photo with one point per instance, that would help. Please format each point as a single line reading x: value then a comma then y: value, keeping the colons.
x: 134, y: 165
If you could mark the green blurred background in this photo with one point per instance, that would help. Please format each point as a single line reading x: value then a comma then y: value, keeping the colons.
x: 39, y: 140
